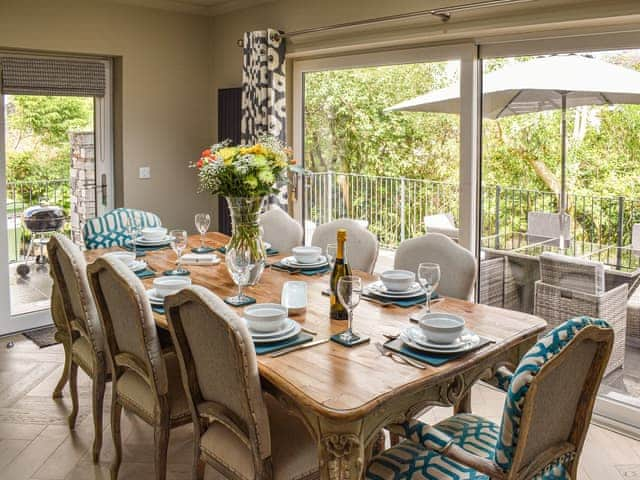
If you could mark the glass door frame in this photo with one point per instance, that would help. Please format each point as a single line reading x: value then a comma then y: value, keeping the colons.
x: 104, y: 189
x: 467, y: 54
x: 608, y: 412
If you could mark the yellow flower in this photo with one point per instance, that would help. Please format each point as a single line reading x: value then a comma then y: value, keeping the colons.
x: 265, y: 176
x: 251, y: 181
x: 227, y: 154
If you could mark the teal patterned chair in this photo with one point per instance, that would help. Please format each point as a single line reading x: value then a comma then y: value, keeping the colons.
x: 110, y: 230
x: 547, y: 411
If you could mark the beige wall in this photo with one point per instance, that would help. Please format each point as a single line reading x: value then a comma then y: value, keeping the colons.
x: 167, y: 109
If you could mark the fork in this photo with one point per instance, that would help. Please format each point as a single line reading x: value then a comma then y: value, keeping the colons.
x: 397, y: 357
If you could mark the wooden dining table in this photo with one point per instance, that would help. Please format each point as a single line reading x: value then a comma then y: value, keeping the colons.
x: 346, y: 396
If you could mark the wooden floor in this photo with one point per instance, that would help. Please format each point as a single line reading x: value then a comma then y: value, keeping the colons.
x: 35, y: 442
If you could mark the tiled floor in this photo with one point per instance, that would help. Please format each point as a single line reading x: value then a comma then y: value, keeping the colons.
x: 35, y: 442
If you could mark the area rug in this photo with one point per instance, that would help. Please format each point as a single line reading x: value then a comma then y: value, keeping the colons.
x: 42, y: 337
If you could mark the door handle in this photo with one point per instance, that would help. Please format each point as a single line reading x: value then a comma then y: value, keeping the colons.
x: 103, y: 187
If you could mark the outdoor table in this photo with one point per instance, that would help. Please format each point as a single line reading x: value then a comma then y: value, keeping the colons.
x: 345, y: 396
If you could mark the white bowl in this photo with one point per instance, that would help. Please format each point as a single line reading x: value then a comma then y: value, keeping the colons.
x: 442, y: 328
x: 125, y: 257
x: 154, y: 234
x: 167, y: 285
x: 398, y: 280
x: 306, y: 254
x: 265, y: 317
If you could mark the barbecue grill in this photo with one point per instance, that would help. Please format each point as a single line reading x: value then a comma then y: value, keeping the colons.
x: 41, y: 220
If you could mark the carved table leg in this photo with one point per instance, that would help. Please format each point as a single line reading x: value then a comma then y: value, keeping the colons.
x: 341, y: 456
x: 464, y: 404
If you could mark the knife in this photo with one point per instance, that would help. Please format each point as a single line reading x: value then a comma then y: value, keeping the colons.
x: 299, y: 347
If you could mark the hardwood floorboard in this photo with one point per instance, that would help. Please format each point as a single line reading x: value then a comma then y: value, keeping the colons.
x: 36, y: 444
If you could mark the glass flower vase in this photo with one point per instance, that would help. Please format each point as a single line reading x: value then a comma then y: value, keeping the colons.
x: 246, y: 235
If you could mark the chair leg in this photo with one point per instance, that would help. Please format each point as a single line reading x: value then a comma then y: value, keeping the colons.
x: 64, y: 378
x: 161, y: 438
x: 198, y: 463
x: 463, y: 405
x: 116, y: 414
x: 98, y: 403
x: 73, y: 387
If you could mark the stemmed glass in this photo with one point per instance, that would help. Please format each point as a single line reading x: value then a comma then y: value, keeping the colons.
x: 429, y: 278
x: 203, y: 221
x: 331, y: 252
x: 239, y: 264
x: 349, y: 291
x: 132, y: 227
x: 178, y: 244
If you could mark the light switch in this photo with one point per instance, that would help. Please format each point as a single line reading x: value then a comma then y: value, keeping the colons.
x: 145, y: 173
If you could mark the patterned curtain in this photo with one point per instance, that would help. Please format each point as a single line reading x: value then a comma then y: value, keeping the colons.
x: 263, y: 86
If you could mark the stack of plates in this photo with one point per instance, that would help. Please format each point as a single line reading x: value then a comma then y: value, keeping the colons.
x: 414, y: 337
x: 129, y: 260
x: 379, y: 290
x: 137, y: 265
x: 153, y: 297
x: 289, y: 329
x: 291, y: 262
x: 143, y: 242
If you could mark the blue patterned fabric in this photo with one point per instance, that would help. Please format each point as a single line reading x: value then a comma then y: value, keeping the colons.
x: 109, y: 230
x: 544, y: 350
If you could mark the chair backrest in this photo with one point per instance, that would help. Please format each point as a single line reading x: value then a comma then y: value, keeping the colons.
x: 572, y: 273
x: 442, y: 223
x: 550, y: 399
x: 280, y: 230
x: 219, y: 367
x: 362, y: 245
x: 110, y: 230
x: 457, y: 264
x: 543, y: 225
x: 128, y: 324
x: 69, y: 271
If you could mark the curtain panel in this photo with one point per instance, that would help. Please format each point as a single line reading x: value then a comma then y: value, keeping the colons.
x: 263, y: 85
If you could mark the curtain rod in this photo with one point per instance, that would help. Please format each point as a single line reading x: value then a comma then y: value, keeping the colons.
x: 443, y: 14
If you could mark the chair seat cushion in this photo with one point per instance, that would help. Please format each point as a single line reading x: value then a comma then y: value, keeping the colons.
x: 293, y: 452
x: 408, y: 460
x: 138, y: 395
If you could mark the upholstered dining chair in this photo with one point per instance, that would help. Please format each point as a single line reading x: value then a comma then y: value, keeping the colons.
x: 240, y: 431
x: 146, y: 381
x: 110, y: 229
x: 547, y: 411
x: 457, y: 264
x: 79, y: 329
x: 280, y: 230
x: 362, y: 245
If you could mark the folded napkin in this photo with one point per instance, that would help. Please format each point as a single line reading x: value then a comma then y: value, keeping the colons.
x: 158, y: 309
x: 148, y: 248
x: 400, y: 302
x: 264, y: 348
x: 435, y: 359
x: 306, y: 271
x: 200, y: 259
x: 146, y: 273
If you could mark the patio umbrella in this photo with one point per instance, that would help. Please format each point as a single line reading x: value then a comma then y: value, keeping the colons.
x: 547, y: 83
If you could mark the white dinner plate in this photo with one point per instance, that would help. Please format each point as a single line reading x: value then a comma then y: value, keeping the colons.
x: 414, y: 338
x: 291, y: 262
x: 137, y: 265
x: 288, y: 326
x: 379, y: 289
x: 153, y: 243
x: 285, y: 336
x: 267, y: 245
x: 153, y: 297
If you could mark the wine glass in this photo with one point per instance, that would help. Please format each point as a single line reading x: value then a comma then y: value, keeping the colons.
x: 349, y: 291
x: 331, y: 252
x: 132, y: 227
x: 178, y: 244
x: 429, y: 278
x: 203, y: 221
x: 240, y: 265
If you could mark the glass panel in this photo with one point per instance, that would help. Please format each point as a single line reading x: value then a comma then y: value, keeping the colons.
x: 389, y: 169
x: 522, y: 177
x: 50, y: 167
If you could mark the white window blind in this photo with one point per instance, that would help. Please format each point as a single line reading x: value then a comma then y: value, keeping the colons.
x: 51, y: 76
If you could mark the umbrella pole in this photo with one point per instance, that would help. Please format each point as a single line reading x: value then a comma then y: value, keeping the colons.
x: 563, y: 169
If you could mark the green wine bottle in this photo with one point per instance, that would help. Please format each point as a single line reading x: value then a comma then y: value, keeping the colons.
x: 340, y: 269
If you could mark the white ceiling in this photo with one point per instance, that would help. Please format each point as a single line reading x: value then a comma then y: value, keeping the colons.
x: 199, y: 7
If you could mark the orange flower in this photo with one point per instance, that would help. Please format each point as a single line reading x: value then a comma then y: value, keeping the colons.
x: 293, y: 161
x: 206, y: 153
x: 200, y: 163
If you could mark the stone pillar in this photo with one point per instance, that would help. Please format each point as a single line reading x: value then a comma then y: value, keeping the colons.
x: 83, y: 181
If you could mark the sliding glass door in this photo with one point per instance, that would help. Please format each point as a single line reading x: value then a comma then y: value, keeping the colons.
x: 55, y: 172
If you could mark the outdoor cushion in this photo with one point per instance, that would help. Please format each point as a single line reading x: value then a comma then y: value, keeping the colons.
x: 572, y: 273
x: 110, y: 230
